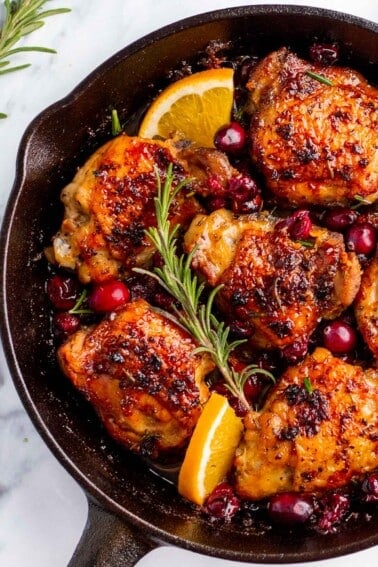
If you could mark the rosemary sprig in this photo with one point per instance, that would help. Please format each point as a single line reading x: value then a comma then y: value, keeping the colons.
x: 177, y: 278
x: 22, y: 17
x: 319, y: 78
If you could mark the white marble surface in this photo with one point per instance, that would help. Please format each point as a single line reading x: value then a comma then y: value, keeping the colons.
x: 42, y: 510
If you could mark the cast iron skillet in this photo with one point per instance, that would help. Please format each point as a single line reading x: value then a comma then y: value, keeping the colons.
x: 130, y: 509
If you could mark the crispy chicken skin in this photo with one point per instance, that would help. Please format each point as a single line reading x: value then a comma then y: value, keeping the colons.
x: 272, y: 283
x: 138, y: 371
x: 110, y: 203
x: 314, y: 143
x: 366, y: 306
x: 308, y: 442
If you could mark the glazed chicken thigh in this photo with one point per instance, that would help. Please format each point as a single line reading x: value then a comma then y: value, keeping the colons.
x: 366, y: 306
x: 138, y: 371
x: 314, y: 142
x: 275, y: 285
x: 311, y: 438
x: 110, y: 203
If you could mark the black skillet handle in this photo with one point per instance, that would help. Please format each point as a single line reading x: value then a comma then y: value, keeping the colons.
x: 107, y: 541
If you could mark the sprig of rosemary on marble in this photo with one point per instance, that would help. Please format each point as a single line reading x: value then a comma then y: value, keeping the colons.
x: 22, y: 17
x: 177, y: 278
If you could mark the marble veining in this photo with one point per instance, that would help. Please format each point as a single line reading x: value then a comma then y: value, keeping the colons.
x: 42, y: 509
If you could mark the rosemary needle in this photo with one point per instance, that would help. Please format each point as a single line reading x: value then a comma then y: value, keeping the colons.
x: 319, y: 78
x: 177, y: 278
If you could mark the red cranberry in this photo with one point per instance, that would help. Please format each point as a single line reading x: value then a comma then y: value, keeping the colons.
x: 253, y: 388
x: 108, y: 296
x: 215, y: 185
x: 230, y: 138
x: 65, y: 324
x: 369, y: 488
x: 361, y: 238
x: 330, y: 511
x: 242, y: 187
x: 238, y: 406
x: 295, y: 352
x: 290, y: 508
x: 63, y: 292
x: 298, y: 225
x: 339, y: 337
x: 222, y: 502
x: 221, y: 388
x: 324, y: 54
x: 339, y: 218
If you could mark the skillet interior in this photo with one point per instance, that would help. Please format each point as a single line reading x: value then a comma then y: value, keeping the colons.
x: 53, y: 146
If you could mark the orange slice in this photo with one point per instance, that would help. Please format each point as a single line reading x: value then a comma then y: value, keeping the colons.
x: 193, y: 108
x: 211, y: 450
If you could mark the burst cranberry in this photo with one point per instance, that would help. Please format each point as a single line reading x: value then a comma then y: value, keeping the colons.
x: 230, y: 138
x: 65, y: 324
x: 361, y: 238
x: 324, y: 54
x: 164, y: 301
x: 242, y: 187
x: 339, y: 337
x: 109, y: 296
x: 253, y: 389
x: 221, y: 388
x: 241, y: 329
x: 157, y: 260
x: 339, y: 218
x: 298, y: 225
x: 222, y: 502
x: 369, y: 488
x: 217, y: 203
x: 290, y: 508
x: 246, y: 207
x: 330, y: 511
x: 215, y: 185
x: 295, y: 352
x: 63, y: 292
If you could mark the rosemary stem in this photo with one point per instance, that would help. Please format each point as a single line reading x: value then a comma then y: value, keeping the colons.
x: 177, y: 278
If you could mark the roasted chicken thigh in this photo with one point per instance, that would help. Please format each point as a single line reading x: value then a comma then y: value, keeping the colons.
x: 318, y: 429
x: 276, y: 285
x: 314, y: 130
x: 366, y: 306
x: 110, y: 203
x: 138, y: 370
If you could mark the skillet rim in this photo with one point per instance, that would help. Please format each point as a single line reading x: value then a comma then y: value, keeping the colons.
x: 90, y: 487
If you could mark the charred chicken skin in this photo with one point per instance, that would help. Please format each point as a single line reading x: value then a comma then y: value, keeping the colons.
x: 307, y: 439
x: 139, y: 372
x: 275, y: 285
x: 366, y: 306
x: 314, y: 142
